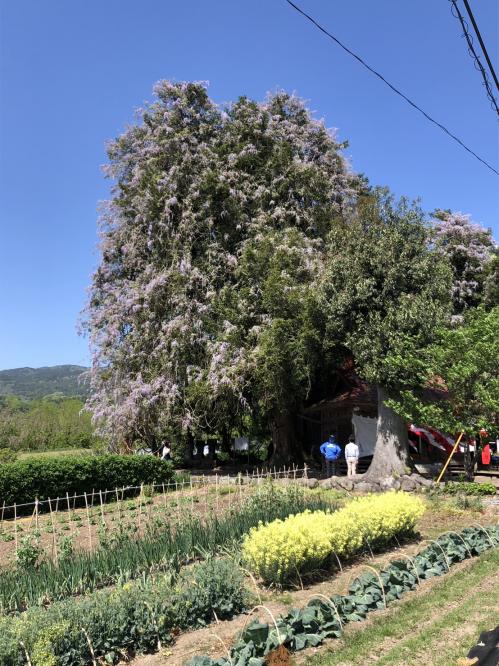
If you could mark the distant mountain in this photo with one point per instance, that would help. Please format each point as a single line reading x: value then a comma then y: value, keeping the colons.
x: 38, y: 382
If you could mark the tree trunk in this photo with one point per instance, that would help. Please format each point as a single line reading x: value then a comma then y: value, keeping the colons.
x: 391, y: 453
x: 286, y: 449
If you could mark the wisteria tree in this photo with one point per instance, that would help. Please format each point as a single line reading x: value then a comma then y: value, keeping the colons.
x: 469, y: 248
x: 212, y: 245
x: 385, y: 292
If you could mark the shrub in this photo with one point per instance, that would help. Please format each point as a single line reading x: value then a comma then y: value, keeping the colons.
x: 300, y: 543
x: 136, y: 617
x: 7, y: 456
x: 24, y: 480
x: 468, y: 488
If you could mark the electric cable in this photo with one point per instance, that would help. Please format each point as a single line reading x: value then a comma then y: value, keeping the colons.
x: 471, y: 50
x: 393, y: 88
x: 477, y: 31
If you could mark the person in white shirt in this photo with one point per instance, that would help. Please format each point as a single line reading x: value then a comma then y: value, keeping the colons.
x: 352, y: 456
x: 166, y: 452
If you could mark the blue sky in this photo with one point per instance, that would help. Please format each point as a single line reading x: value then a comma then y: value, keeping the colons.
x: 73, y: 72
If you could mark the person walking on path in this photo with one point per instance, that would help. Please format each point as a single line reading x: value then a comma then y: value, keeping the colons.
x: 352, y: 456
x: 331, y: 451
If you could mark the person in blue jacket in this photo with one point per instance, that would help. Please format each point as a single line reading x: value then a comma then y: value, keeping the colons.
x: 331, y: 451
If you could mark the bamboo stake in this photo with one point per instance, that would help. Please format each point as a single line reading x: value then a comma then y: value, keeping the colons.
x: 89, y: 524
x: 31, y: 519
x: 15, y: 526
x: 69, y: 513
x: 55, y: 555
x: 164, y: 496
x: 1, y: 520
x: 36, y: 514
x: 216, y: 492
x: 178, y: 499
x: 192, y: 495
x: 102, y: 507
x: 140, y: 504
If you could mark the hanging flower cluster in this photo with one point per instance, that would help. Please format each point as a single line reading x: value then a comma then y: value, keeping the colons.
x: 468, y: 247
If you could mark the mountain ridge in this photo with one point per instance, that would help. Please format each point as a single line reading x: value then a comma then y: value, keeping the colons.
x: 32, y: 383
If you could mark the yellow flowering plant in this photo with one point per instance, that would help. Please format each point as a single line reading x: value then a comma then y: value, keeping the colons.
x: 280, y: 550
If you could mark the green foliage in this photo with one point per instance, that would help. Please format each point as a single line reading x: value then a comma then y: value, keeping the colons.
x: 214, y: 590
x: 54, y: 422
x: 29, y: 551
x: 7, y: 456
x: 167, y: 547
x: 464, y: 361
x: 325, y: 618
x: 385, y: 290
x: 132, y: 618
x: 24, y: 480
x: 468, y: 488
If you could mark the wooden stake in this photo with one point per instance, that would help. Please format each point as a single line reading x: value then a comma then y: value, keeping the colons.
x: 216, y: 491
x: 36, y: 514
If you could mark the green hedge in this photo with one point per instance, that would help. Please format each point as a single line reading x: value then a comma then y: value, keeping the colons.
x: 24, y: 480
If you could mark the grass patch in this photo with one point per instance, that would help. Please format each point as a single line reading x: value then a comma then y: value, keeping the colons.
x: 33, y: 455
x: 436, y: 626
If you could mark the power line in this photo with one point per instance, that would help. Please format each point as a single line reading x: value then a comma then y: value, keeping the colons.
x: 471, y: 49
x: 395, y: 90
x: 477, y: 31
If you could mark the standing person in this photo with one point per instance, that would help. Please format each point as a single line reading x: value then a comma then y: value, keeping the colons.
x: 352, y: 456
x: 331, y: 451
x: 166, y: 452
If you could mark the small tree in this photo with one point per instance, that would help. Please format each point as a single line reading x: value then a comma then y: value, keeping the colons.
x: 384, y: 293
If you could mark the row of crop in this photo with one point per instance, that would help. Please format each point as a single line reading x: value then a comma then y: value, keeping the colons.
x: 306, y: 542
x: 466, y: 488
x: 167, y: 547
x: 23, y: 481
x: 135, y: 617
x: 325, y: 617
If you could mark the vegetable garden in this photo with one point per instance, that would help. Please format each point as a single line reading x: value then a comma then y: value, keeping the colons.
x: 204, y: 552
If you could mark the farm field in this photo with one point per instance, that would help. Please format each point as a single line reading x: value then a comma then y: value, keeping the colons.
x: 146, y: 570
x: 108, y: 513
x: 405, y: 627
